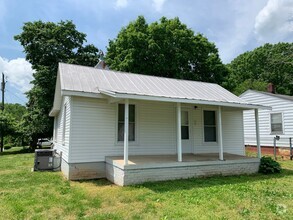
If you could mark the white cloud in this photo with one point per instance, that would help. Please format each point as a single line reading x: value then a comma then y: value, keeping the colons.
x: 18, y: 71
x: 158, y: 4
x: 274, y: 22
x: 121, y: 3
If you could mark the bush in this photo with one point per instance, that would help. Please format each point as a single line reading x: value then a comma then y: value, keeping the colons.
x: 268, y: 166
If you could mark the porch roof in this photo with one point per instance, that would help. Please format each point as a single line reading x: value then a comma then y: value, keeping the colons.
x: 92, y: 82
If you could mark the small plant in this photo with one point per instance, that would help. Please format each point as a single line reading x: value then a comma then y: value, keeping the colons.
x: 268, y: 166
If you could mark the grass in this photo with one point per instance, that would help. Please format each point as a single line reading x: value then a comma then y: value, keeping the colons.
x: 47, y: 195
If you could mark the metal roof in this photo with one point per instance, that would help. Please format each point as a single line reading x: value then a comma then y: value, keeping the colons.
x: 287, y: 97
x: 92, y: 82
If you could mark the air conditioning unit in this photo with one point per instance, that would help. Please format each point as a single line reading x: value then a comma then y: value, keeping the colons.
x: 47, y: 159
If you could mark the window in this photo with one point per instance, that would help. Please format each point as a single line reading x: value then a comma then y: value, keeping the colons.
x: 276, y: 123
x: 64, y: 124
x: 56, y: 129
x: 184, y: 125
x: 131, y: 126
x: 210, y: 128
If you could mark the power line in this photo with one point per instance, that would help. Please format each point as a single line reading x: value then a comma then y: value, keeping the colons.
x: 20, y: 99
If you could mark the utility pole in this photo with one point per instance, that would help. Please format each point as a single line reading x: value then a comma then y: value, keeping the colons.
x: 2, y: 108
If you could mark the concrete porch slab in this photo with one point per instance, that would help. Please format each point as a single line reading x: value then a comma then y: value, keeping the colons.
x: 165, y: 167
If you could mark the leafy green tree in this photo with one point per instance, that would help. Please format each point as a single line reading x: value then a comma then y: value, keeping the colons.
x: 271, y: 63
x: 13, y: 118
x: 165, y: 48
x: 45, y: 45
x: 16, y: 110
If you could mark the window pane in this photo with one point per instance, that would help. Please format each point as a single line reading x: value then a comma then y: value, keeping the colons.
x: 120, y: 131
x: 184, y: 132
x: 131, y: 135
x: 184, y: 118
x: 131, y: 113
x: 209, y: 118
x: 210, y: 134
x: 121, y: 112
x: 276, y: 122
x: 276, y: 118
x: 131, y: 126
x: 276, y: 127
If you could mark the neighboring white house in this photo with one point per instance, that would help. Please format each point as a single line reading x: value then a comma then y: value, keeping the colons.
x: 277, y: 121
x: 176, y: 128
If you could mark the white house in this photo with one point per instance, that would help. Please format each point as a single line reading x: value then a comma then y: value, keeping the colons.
x: 277, y: 121
x: 175, y: 128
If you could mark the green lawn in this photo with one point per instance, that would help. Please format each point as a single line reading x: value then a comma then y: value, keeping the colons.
x: 47, y: 195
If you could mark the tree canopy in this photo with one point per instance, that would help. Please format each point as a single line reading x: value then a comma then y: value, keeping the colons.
x: 271, y: 63
x: 165, y: 48
x: 45, y: 45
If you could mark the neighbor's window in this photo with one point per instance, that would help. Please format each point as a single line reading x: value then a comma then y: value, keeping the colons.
x: 131, y: 126
x: 210, y: 128
x: 276, y: 123
x: 56, y: 128
x: 184, y: 125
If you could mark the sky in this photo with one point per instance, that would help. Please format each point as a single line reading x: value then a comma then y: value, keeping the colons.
x: 235, y: 26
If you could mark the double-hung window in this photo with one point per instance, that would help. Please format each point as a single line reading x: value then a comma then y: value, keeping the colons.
x: 131, y: 126
x: 184, y: 125
x: 210, y: 127
x: 276, y: 123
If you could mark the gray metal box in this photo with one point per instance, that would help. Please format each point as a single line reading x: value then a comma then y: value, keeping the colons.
x: 44, y: 159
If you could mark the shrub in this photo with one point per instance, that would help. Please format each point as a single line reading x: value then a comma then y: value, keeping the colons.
x: 268, y: 166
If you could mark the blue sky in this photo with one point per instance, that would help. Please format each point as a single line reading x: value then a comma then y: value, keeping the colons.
x: 235, y: 26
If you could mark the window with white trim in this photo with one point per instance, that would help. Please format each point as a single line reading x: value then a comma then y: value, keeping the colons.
x: 276, y: 123
x: 210, y: 127
x: 184, y: 125
x: 56, y: 129
x: 131, y: 126
x: 64, y: 124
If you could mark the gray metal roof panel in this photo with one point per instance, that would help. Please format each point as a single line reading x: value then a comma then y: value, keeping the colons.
x: 91, y: 80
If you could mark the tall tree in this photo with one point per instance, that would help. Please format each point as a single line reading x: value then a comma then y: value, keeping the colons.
x: 270, y: 63
x: 45, y: 45
x: 165, y: 48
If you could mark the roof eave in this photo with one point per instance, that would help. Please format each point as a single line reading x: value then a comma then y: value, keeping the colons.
x: 182, y: 100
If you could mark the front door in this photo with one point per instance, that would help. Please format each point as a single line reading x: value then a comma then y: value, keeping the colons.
x: 186, y: 134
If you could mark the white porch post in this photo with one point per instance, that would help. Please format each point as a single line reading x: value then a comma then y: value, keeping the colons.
x: 257, y: 133
x: 220, y: 134
x: 126, y: 122
x: 179, y: 145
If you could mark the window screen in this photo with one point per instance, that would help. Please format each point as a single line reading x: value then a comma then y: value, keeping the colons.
x: 210, y: 129
x: 276, y: 123
x: 131, y: 126
x: 184, y: 125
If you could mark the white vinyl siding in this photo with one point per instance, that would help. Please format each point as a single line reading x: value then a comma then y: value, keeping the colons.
x: 63, y: 129
x: 94, y: 130
x: 278, y: 105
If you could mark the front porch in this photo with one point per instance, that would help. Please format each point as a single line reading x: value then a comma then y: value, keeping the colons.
x: 147, y: 168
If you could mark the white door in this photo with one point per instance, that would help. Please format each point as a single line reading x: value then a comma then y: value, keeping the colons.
x: 186, y: 134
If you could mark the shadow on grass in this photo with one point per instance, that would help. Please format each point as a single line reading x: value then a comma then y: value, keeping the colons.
x: 192, y: 183
x: 97, y: 182
x: 204, y: 182
x: 17, y: 150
